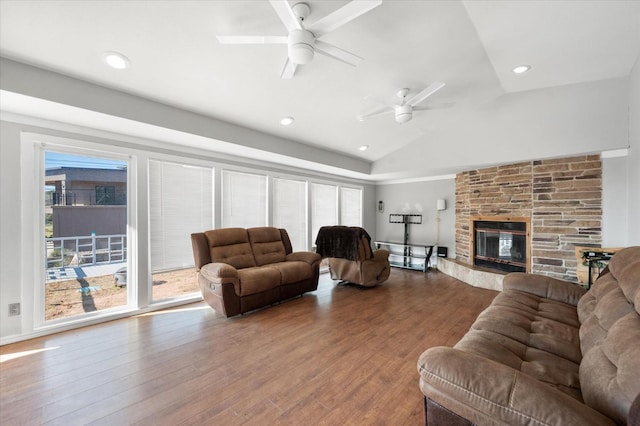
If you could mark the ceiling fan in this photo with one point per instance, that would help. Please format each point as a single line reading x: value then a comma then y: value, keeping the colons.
x: 302, y: 41
x: 404, y: 111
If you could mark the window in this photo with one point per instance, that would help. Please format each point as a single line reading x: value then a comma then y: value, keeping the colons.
x: 350, y: 207
x: 85, y: 244
x: 244, y: 199
x: 324, y: 207
x: 105, y: 194
x: 290, y: 210
x: 180, y: 203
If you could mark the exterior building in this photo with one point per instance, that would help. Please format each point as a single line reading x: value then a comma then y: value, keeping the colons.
x: 86, y: 201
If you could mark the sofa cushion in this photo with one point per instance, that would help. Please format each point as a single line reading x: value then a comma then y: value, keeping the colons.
x: 257, y: 279
x: 535, y: 322
x: 528, y: 333
x: 267, y: 245
x: 231, y: 246
x: 610, y: 337
x: 292, y: 271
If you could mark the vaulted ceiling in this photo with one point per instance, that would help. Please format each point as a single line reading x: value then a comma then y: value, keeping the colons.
x: 471, y: 46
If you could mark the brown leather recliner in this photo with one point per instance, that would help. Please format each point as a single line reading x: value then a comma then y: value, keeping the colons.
x: 351, y: 258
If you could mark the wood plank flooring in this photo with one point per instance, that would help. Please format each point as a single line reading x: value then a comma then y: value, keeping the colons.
x: 340, y: 355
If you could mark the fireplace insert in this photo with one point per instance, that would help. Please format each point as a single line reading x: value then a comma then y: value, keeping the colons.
x: 500, y: 245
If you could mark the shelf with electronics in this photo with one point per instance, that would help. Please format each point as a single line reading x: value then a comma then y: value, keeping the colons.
x: 404, y: 254
x: 408, y: 255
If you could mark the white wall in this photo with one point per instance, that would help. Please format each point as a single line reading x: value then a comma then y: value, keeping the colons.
x: 10, y: 226
x: 615, y: 223
x: 418, y: 198
x: 633, y: 168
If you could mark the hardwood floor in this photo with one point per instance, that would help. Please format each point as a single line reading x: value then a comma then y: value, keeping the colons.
x: 340, y: 355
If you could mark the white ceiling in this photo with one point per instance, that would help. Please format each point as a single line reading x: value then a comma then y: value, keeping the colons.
x: 469, y: 45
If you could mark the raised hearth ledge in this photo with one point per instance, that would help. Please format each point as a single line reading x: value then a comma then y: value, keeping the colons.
x: 472, y: 275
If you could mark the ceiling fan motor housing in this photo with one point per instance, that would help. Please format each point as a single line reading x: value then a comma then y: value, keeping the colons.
x: 300, y: 46
x: 404, y: 113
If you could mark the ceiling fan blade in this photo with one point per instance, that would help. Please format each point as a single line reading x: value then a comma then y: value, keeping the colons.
x: 336, y: 53
x: 288, y: 70
x: 387, y: 109
x: 433, y: 88
x: 442, y: 105
x: 286, y: 15
x: 346, y: 13
x: 252, y: 39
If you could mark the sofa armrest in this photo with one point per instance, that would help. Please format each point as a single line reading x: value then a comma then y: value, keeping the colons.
x: 381, y: 254
x: 305, y: 256
x: 543, y: 286
x: 219, y: 272
x: 486, y: 392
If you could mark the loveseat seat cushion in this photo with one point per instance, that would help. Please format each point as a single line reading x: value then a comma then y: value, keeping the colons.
x: 231, y: 246
x: 292, y: 271
x: 267, y: 245
x: 257, y: 279
x: 610, y: 337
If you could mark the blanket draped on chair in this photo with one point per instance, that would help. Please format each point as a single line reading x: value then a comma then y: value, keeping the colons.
x: 341, y: 242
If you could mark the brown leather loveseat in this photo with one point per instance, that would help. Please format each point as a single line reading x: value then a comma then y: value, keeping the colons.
x: 244, y: 269
x: 545, y: 352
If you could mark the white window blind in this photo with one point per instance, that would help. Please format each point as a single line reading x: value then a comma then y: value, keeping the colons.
x: 244, y: 199
x: 324, y: 207
x: 180, y: 203
x: 350, y: 207
x: 290, y: 210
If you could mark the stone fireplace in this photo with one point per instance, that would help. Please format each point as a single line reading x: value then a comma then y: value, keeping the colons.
x: 501, y: 243
x: 560, y: 198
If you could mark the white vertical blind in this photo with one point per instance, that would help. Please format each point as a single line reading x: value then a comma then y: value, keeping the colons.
x: 244, y: 199
x: 180, y: 203
x: 290, y: 210
x: 350, y: 206
x: 324, y: 207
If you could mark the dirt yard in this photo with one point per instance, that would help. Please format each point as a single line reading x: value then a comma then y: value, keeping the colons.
x: 77, y: 296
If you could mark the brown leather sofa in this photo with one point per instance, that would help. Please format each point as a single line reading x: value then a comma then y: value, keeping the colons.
x: 350, y: 257
x: 244, y: 269
x: 545, y: 352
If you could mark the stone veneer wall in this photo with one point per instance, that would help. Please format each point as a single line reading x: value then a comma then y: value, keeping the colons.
x: 563, y: 198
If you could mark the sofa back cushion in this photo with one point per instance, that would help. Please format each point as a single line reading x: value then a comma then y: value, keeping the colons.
x: 610, y: 337
x: 267, y: 245
x: 231, y: 246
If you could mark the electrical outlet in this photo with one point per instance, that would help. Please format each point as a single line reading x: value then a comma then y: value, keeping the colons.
x: 14, y: 309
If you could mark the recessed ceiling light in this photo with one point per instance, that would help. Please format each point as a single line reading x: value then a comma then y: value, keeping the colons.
x: 116, y: 60
x: 521, y: 69
x: 364, y: 147
x: 286, y: 121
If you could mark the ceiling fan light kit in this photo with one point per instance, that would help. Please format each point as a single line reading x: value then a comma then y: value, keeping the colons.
x: 300, y: 46
x: 404, y: 113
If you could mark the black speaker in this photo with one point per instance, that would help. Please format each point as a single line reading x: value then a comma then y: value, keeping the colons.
x: 442, y: 251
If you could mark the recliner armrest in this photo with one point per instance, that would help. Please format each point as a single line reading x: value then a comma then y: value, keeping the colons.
x: 219, y: 272
x: 543, y: 286
x: 381, y: 254
x: 487, y: 392
x: 305, y: 256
